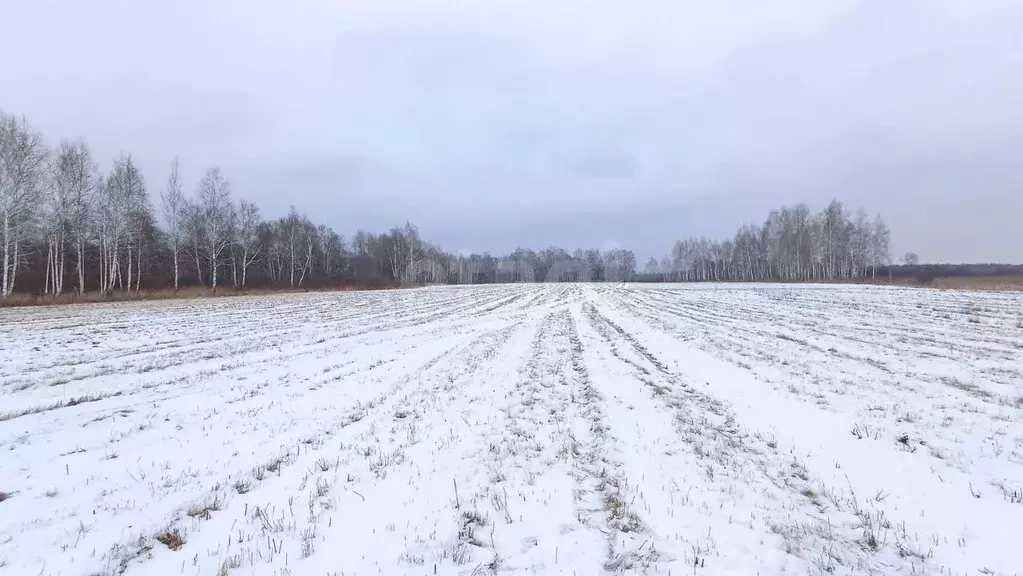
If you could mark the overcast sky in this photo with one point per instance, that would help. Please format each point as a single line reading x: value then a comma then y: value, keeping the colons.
x: 579, y: 123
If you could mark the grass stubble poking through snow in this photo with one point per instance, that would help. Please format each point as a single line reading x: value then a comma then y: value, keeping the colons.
x: 556, y: 429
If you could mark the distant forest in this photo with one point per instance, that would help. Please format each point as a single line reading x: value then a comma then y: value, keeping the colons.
x: 70, y: 227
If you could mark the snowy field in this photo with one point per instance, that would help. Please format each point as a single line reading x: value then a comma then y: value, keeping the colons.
x: 526, y: 429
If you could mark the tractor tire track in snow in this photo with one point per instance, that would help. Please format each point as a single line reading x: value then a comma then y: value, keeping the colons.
x: 311, y: 493
x: 724, y: 469
x: 850, y: 486
x: 606, y: 498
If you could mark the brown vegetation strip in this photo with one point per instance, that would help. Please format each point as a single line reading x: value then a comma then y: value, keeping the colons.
x: 20, y: 300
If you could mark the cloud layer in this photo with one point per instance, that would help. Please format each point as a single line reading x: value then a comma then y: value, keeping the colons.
x: 496, y: 123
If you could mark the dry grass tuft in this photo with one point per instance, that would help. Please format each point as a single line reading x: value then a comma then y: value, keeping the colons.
x: 202, y: 510
x: 967, y: 387
x: 619, y: 516
x: 171, y: 539
x: 56, y: 405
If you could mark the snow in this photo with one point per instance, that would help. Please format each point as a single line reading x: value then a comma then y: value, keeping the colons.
x: 517, y: 429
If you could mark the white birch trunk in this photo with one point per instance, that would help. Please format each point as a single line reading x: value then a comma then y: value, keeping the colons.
x: 138, y: 264
x: 129, y: 267
x: 175, y: 248
x: 49, y: 265
x: 5, y: 284
x: 80, y: 248
x: 245, y: 255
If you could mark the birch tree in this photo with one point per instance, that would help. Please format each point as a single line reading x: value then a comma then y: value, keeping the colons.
x: 121, y: 211
x: 292, y: 230
x: 110, y: 228
x: 138, y: 215
x: 54, y: 226
x: 215, y: 213
x: 247, y: 238
x: 329, y: 247
x: 22, y: 170
x: 308, y: 237
x: 174, y: 213
x: 193, y: 235
x: 73, y: 180
x: 75, y: 175
x: 271, y: 237
x: 880, y: 245
x: 412, y: 248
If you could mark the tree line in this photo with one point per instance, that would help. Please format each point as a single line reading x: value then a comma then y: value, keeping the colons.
x: 69, y: 226
x: 793, y: 244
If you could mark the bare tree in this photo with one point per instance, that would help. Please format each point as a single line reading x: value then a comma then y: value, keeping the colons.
x: 67, y: 210
x: 291, y: 229
x: 193, y: 234
x: 247, y: 238
x: 412, y: 247
x: 619, y: 264
x: 860, y: 245
x: 652, y: 266
x: 330, y: 249
x: 54, y: 212
x: 272, y: 241
x: 215, y: 212
x: 75, y: 179
x: 138, y: 214
x: 109, y: 229
x: 174, y: 212
x: 880, y: 245
x: 122, y: 208
x: 22, y: 169
x: 309, y: 241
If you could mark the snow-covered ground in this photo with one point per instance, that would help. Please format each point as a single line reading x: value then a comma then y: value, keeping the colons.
x: 534, y: 429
